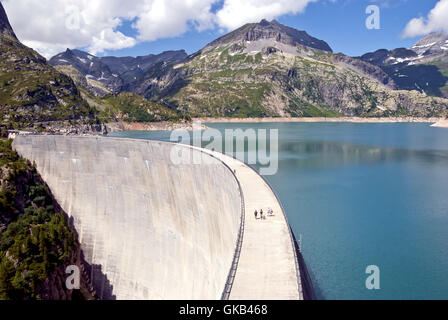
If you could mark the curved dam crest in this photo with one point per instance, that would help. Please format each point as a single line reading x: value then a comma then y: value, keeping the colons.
x: 150, y: 229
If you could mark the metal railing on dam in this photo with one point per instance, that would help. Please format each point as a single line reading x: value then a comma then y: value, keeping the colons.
x: 291, y: 235
x: 305, y: 284
x: 236, y: 257
x: 266, y: 269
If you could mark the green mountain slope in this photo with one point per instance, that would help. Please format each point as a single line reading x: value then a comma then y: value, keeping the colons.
x: 36, y: 241
x: 130, y: 107
x: 32, y: 93
x: 254, y: 74
x: 124, y: 106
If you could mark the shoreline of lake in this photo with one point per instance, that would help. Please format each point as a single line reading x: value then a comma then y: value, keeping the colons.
x: 441, y: 124
x: 322, y: 119
x: 150, y: 126
x: 189, y: 126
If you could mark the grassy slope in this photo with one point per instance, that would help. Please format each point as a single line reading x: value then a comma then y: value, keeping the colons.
x: 130, y: 107
x: 238, y: 85
x: 126, y: 106
x: 218, y: 87
x: 225, y: 82
x: 31, y: 91
x: 443, y: 69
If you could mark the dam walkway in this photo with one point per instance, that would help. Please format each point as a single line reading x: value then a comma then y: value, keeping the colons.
x: 267, y: 267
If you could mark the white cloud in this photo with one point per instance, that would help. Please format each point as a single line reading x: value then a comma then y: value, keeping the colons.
x: 162, y: 18
x: 110, y: 40
x: 437, y: 20
x: 236, y: 12
x: 51, y: 26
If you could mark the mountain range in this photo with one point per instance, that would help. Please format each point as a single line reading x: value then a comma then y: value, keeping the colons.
x: 111, y: 74
x: 423, y: 67
x: 268, y: 69
x: 261, y: 69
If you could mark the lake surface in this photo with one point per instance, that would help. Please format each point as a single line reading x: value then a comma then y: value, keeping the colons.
x: 360, y: 195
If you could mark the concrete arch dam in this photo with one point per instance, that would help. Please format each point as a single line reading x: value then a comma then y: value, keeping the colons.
x: 152, y: 229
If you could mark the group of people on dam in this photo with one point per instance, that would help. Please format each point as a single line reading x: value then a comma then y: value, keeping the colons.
x: 262, y: 215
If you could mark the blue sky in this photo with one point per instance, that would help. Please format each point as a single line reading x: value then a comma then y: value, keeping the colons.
x: 140, y: 27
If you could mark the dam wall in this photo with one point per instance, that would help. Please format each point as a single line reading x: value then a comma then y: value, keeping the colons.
x: 149, y: 229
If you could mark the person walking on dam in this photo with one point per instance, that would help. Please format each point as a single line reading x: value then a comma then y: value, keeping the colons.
x: 261, y: 214
x: 256, y: 214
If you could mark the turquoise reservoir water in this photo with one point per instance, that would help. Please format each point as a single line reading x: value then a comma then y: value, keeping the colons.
x: 360, y: 195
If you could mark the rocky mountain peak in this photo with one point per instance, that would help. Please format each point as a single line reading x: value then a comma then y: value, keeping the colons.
x: 421, y: 67
x: 432, y: 37
x: 434, y: 43
x: 271, y: 31
x: 5, y: 26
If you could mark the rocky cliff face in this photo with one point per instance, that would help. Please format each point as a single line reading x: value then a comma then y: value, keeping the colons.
x: 433, y: 44
x: 37, y: 242
x: 98, y: 76
x: 33, y: 93
x: 271, y: 31
x: 5, y: 26
x: 367, y: 69
x: 54, y: 287
x: 130, y: 68
x: 423, y: 67
x: 105, y: 75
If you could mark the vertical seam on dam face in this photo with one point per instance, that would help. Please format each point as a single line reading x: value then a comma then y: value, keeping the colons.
x: 154, y: 230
